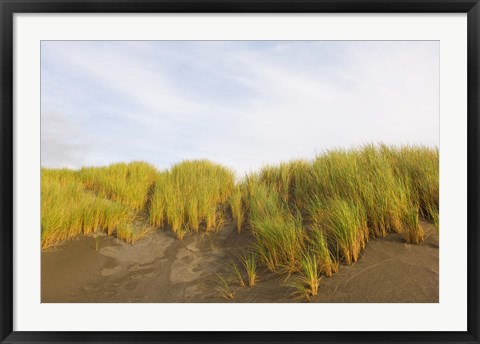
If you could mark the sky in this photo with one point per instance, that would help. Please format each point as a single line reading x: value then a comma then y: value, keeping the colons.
x: 243, y: 104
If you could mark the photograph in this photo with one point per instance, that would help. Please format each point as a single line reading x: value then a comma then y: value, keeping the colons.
x: 239, y: 171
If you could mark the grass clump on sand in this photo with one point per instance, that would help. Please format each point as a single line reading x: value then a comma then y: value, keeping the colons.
x: 320, y: 247
x: 67, y: 210
x: 238, y: 275
x: 306, y: 217
x: 127, y: 200
x: 190, y: 195
x: 237, y: 209
x: 129, y: 184
x: 279, y: 234
x: 131, y: 232
x: 224, y: 288
x: 307, y: 282
x: 347, y: 226
x: 249, y: 262
x: 418, y: 168
x: 91, y: 200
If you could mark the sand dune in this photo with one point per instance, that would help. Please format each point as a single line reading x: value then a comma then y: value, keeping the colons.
x: 160, y: 268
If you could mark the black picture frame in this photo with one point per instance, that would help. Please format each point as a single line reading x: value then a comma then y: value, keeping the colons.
x: 10, y: 7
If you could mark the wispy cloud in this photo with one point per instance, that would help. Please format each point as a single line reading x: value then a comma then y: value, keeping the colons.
x: 239, y: 103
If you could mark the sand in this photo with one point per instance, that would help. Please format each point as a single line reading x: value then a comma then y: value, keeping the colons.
x: 160, y: 268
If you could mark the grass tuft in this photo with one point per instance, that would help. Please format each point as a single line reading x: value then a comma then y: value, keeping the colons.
x: 307, y: 282
x: 191, y: 195
x: 224, y: 288
x: 249, y: 262
x: 238, y: 275
x: 237, y: 209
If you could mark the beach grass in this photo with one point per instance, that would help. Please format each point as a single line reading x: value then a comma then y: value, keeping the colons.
x: 330, y: 207
x: 306, y: 216
x: 237, y: 208
x: 129, y: 184
x: 224, y: 289
x: 68, y: 209
x: 238, y: 275
x: 249, y: 262
x: 191, y: 195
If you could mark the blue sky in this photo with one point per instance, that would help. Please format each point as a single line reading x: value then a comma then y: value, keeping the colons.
x: 239, y: 103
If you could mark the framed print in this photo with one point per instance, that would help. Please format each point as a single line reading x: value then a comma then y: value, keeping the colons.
x: 239, y: 171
